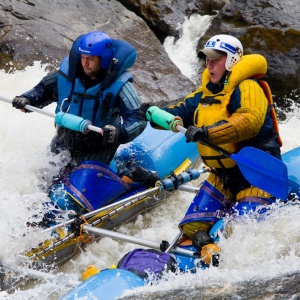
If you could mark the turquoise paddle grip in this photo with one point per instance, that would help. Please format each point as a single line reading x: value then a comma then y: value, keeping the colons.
x: 72, y: 122
x: 163, y: 118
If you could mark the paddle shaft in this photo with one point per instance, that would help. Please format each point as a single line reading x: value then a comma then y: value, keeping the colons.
x: 207, y: 143
x: 173, y: 243
x: 49, y: 114
x: 187, y: 188
x: 134, y: 240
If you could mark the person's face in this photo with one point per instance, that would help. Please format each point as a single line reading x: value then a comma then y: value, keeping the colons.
x: 90, y: 65
x: 216, y: 68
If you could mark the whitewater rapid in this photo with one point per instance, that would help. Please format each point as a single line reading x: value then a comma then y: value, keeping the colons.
x: 255, y: 250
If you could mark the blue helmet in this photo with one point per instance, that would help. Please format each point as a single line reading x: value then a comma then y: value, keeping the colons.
x: 97, y: 43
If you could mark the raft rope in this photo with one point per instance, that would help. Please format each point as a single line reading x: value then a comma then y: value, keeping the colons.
x: 82, y: 239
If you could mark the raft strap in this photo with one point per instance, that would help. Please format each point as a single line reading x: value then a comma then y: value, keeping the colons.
x: 74, y: 190
x: 224, y: 201
x: 209, y: 214
x: 257, y: 200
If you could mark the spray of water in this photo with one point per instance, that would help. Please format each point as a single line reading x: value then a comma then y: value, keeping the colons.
x: 182, y: 51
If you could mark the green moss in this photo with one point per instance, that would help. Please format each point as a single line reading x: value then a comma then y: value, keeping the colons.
x: 5, y: 61
x: 236, y: 19
x: 149, y: 10
x: 260, y: 38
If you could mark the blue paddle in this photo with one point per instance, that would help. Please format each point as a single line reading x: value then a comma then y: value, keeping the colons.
x: 259, y: 168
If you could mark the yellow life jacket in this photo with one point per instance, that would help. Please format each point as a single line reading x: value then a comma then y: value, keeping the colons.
x: 213, y: 107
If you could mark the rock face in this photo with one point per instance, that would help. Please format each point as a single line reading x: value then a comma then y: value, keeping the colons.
x: 163, y: 16
x: 270, y: 28
x: 281, y: 287
x: 44, y: 30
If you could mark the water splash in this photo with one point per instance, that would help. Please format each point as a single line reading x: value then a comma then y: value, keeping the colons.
x: 182, y: 51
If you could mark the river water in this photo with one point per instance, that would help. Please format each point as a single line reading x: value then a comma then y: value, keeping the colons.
x: 256, y: 251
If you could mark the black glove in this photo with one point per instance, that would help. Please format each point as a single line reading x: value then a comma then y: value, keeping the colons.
x: 193, y: 133
x: 20, y: 102
x: 143, y: 109
x: 110, y: 135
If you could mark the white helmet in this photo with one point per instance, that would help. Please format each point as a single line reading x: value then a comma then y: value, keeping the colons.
x: 224, y: 43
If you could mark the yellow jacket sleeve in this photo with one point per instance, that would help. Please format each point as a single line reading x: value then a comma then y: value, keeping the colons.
x: 246, y: 121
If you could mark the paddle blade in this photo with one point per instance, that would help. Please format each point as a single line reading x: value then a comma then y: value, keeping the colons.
x: 263, y: 171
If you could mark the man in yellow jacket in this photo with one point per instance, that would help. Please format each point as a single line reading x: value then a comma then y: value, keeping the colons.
x: 232, y: 109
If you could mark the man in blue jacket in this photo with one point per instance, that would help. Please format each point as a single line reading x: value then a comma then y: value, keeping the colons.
x: 92, y: 83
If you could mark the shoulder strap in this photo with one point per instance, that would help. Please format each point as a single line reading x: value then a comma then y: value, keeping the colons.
x: 60, y: 72
x: 264, y: 85
x: 109, y: 95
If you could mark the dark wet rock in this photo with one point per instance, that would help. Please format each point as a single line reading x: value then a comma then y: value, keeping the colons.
x: 283, y: 287
x: 44, y: 30
x: 164, y: 16
x: 270, y: 28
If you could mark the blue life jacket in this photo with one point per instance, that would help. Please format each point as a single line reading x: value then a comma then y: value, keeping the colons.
x: 97, y: 102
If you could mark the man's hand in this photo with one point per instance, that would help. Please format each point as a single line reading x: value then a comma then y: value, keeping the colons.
x: 110, y: 135
x: 20, y: 102
x: 143, y: 109
x: 193, y: 133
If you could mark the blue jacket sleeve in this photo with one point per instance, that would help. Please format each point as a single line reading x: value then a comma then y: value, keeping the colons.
x: 132, y: 123
x: 186, y: 109
x: 45, y: 92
